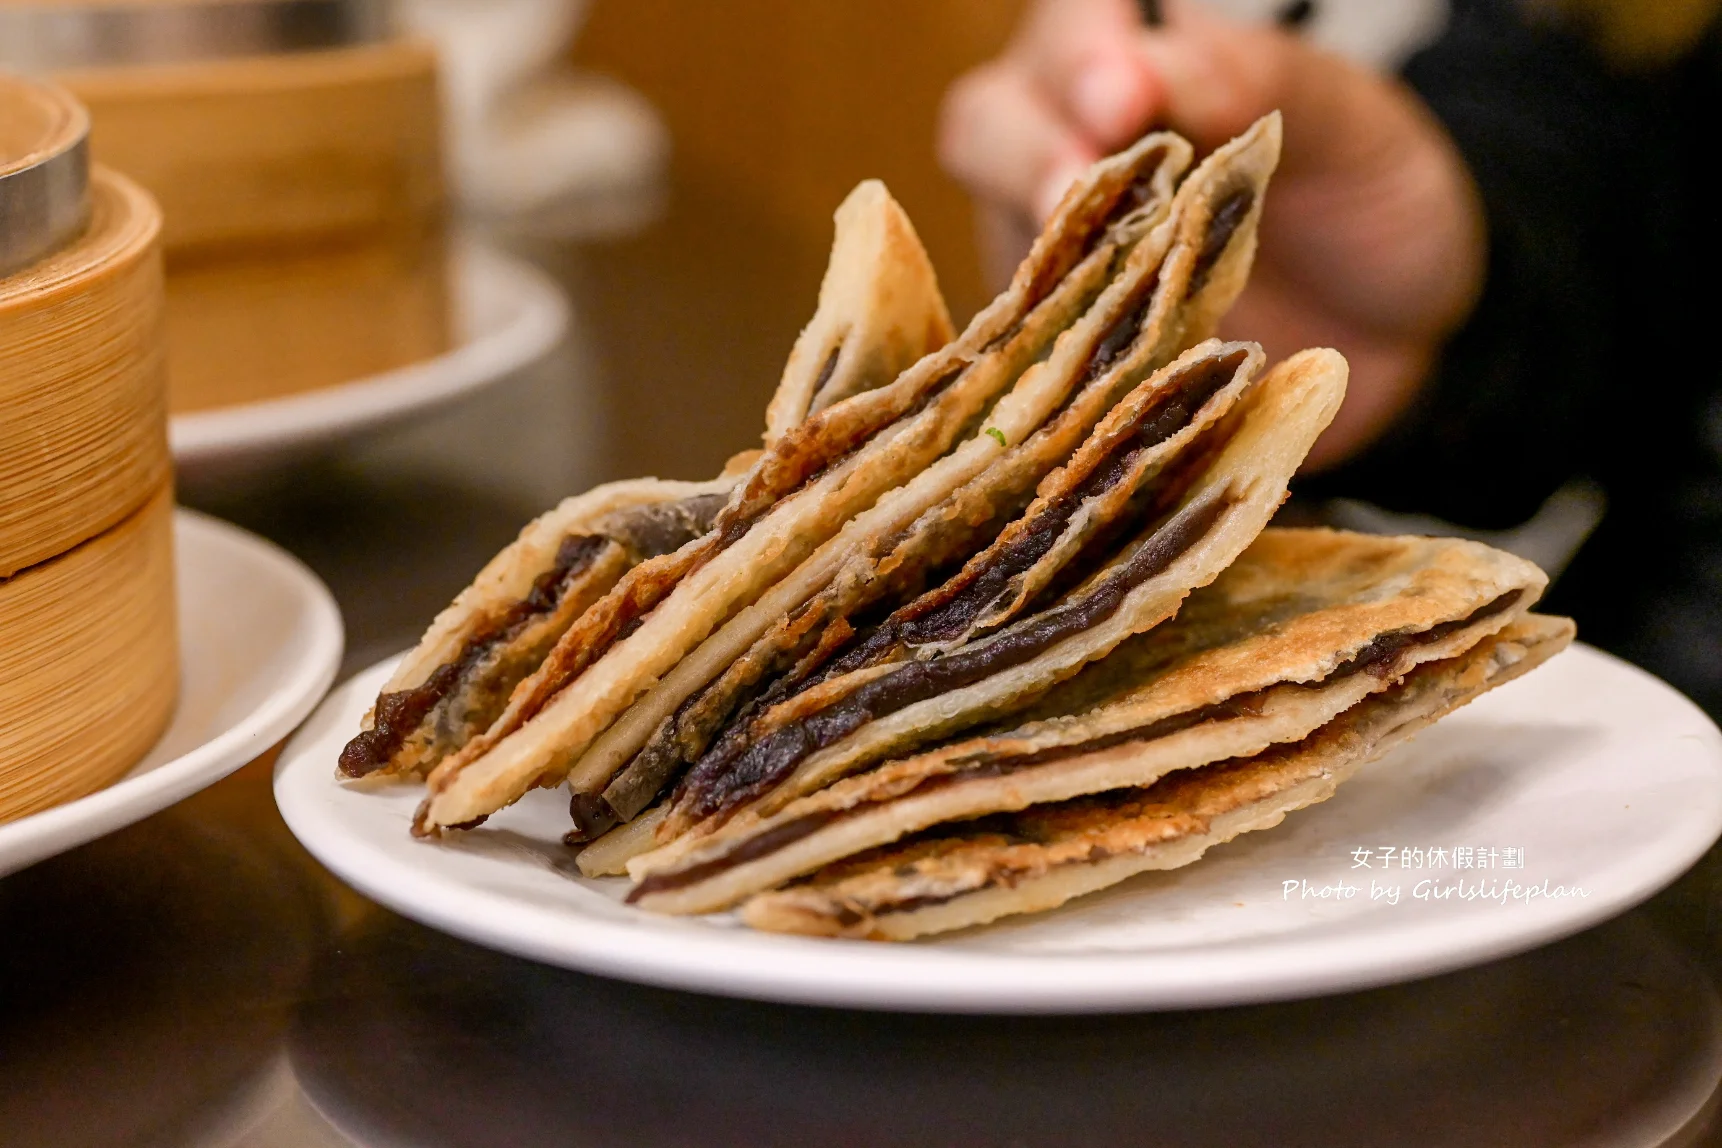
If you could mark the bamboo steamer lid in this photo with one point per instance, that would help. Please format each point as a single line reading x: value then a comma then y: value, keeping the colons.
x: 89, y: 662
x: 83, y: 437
x: 276, y: 150
x: 253, y: 122
x: 44, y: 171
x: 295, y: 149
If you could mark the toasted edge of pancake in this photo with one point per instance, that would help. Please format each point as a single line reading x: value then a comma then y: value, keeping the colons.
x: 879, y: 309
x: 1179, y: 279
x: 521, y: 601
x: 1231, y: 487
x: 801, y: 491
x: 1189, y: 694
x: 1038, y: 859
x: 1101, y: 354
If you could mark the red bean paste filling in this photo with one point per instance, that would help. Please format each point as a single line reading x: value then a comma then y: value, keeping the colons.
x: 1228, y: 215
x: 651, y: 531
x: 825, y: 373
x: 639, y: 784
x: 593, y: 816
x: 398, y: 714
x: 935, y: 619
x: 1193, y: 389
x: 1378, y: 657
x: 722, y: 780
x: 1138, y: 191
x: 646, y: 531
x: 1134, y: 196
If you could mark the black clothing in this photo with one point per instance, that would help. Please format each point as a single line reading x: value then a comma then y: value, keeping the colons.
x: 1591, y: 352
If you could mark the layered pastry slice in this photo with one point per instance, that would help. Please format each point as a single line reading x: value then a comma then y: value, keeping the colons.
x: 1129, y: 528
x: 1176, y: 282
x: 498, y: 630
x: 973, y: 872
x: 879, y: 311
x: 1303, y: 627
x: 801, y: 492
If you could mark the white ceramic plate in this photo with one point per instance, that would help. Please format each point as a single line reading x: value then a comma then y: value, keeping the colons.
x: 260, y: 642
x: 507, y: 316
x: 1603, y: 779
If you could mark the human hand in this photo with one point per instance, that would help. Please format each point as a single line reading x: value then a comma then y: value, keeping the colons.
x: 1372, y: 237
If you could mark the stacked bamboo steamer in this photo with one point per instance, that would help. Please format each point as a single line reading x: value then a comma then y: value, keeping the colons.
x: 295, y: 149
x: 88, y: 654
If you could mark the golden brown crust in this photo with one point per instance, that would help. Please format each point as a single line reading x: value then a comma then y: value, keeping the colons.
x: 1251, y: 657
x: 1042, y: 856
x: 879, y: 310
x: 1157, y: 309
x: 1294, y: 606
x: 831, y: 466
x: 1232, y: 486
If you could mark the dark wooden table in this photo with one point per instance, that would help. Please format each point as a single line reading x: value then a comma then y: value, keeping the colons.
x: 198, y: 979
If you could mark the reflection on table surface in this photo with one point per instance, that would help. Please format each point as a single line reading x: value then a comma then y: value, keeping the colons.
x: 197, y: 979
x: 525, y: 1054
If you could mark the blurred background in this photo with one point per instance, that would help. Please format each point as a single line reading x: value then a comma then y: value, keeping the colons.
x: 673, y: 167
x: 775, y: 109
x: 433, y: 265
x: 577, y: 238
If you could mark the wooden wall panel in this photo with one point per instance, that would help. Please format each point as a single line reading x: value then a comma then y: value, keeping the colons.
x: 791, y: 102
x: 776, y: 109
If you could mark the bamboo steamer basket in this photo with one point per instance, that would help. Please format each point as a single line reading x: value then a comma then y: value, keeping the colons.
x: 295, y: 148
x: 88, y: 637
x: 271, y: 151
x: 83, y: 437
x: 244, y: 330
x: 252, y: 122
x: 89, y: 669
x: 44, y: 171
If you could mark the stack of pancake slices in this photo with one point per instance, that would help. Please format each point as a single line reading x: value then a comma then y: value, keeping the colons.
x: 991, y: 622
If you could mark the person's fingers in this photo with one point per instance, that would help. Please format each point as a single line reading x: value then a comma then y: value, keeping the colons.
x: 1365, y: 170
x: 1079, y: 53
x: 1001, y: 140
x: 1213, y: 76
